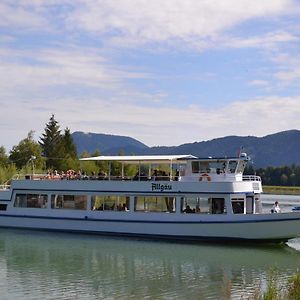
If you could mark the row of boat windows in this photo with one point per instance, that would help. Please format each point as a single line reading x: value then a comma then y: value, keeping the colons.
x: 218, y: 167
x: 205, y: 205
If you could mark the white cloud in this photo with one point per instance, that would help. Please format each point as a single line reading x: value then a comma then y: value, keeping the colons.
x: 131, y: 22
x: 38, y: 69
x: 288, y: 68
x: 13, y: 15
x: 259, y: 83
x: 290, y: 75
x: 268, y: 40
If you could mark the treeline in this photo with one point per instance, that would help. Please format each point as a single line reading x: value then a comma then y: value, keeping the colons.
x: 277, y: 176
x: 54, y: 152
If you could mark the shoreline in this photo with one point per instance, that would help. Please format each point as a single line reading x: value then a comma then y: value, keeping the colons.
x: 281, y: 190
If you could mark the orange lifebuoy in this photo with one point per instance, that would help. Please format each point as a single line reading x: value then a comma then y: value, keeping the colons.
x: 204, y: 177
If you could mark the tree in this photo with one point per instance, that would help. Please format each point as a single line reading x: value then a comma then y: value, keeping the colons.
x: 3, y: 157
x: 68, y: 144
x: 284, y: 179
x: 69, y: 152
x: 27, y: 152
x: 52, y: 145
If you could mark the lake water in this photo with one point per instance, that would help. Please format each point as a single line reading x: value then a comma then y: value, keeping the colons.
x: 38, y: 265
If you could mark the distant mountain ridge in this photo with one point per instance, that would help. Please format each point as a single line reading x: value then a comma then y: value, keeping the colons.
x: 107, y: 144
x: 282, y: 148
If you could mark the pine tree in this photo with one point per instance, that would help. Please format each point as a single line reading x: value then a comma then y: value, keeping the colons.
x: 68, y: 144
x: 52, y: 145
x: 70, y: 160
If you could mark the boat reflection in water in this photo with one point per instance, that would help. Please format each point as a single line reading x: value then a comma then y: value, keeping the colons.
x: 35, y: 265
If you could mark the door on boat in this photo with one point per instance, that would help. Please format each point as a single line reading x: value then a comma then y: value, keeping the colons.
x: 249, y: 204
x: 217, y: 205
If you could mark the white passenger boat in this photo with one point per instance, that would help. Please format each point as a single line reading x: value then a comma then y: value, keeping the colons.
x: 196, y: 199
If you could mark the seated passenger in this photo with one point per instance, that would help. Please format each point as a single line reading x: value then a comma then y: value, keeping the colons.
x: 101, y: 175
x: 188, y: 210
x: 124, y: 207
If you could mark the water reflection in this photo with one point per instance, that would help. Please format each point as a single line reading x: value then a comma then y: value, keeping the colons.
x: 65, y: 266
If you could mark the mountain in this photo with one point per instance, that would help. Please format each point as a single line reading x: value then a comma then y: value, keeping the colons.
x: 277, y: 149
x: 107, y: 144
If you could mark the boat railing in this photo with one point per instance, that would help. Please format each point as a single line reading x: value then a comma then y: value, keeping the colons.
x: 118, y: 178
x: 126, y: 178
x: 251, y: 178
x: 4, y: 187
x: 106, y: 177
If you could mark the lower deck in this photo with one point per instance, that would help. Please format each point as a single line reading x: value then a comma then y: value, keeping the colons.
x: 98, y: 202
x: 192, y: 211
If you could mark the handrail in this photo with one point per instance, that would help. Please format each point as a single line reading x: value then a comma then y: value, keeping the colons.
x: 112, y: 178
x: 251, y: 178
x: 4, y: 187
x: 108, y: 178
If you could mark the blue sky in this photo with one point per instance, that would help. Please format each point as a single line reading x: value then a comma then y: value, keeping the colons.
x: 165, y: 72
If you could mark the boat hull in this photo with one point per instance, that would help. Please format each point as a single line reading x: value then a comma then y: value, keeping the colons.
x: 174, y: 225
x: 254, y: 230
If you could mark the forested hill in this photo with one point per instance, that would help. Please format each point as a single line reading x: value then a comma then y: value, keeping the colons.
x: 107, y: 144
x: 277, y: 149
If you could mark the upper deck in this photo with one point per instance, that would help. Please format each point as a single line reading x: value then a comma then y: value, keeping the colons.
x: 185, y: 173
x: 186, y: 168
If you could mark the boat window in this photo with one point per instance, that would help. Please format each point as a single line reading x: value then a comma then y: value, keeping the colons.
x: 31, y: 200
x: 195, y: 167
x: 204, y: 167
x: 155, y: 204
x: 69, y: 202
x: 3, y: 206
x: 208, y: 166
x: 111, y: 202
x: 202, y: 205
x: 217, y: 167
x: 232, y: 166
x: 238, y: 205
x: 200, y: 167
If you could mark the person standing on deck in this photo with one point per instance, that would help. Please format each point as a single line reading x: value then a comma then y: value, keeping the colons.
x: 276, y: 208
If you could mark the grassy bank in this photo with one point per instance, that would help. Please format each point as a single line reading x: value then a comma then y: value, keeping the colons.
x: 281, y: 190
x: 275, y: 289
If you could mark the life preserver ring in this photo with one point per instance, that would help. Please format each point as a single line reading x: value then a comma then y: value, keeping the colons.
x: 204, y: 177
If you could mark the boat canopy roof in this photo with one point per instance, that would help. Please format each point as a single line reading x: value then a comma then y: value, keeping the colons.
x: 143, y: 158
x: 160, y: 159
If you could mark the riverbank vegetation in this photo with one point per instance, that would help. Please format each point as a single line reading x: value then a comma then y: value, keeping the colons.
x: 272, y: 287
x: 281, y: 190
x: 277, y: 291
x: 277, y: 176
